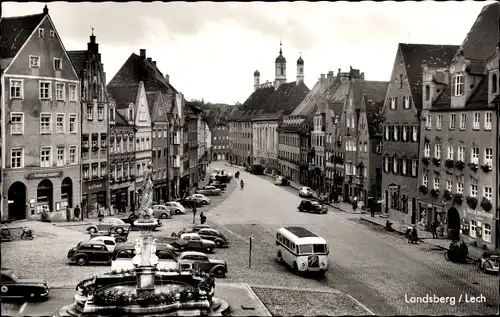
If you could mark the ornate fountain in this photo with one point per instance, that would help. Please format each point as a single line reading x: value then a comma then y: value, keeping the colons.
x: 146, y: 290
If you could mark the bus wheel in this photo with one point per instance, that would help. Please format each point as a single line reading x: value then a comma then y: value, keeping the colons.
x: 296, y: 269
x: 280, y: 258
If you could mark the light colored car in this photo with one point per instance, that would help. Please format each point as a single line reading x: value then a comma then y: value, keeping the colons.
x: 200, y: 261
x: 175, y: 208
x: 161, y: 211
x: 305, y: 192
x: 124, y: 253
x: 110, y: 242
x: 209, y: 191
x: 195, y: 242
x: 199, y: 198
x: 112, y: 225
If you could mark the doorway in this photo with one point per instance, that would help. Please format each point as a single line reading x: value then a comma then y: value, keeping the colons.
x: 17, y: 201
x: 67, y: 193
x: 386, y: 202
x: 44, y: 195
x: 453, y: 224
x: 413, y: 210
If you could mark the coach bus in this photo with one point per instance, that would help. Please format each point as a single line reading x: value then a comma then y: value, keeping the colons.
x: 302, y: 250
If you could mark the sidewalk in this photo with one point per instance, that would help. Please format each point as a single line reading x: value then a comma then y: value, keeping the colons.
x: 424, y: 236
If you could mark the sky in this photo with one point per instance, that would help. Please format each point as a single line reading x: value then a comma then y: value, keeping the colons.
x: 211, y: 50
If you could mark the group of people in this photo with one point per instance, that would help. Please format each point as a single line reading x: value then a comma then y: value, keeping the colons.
x: 76, y: 213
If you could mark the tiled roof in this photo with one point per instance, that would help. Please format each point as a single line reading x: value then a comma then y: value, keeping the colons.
x: 374, y: 93
x: 257, y: 99
x: 480, y: 96
x: 16, y: 31
x: 444, y: 99
x: 152, y: 97
x: 306, y: 122
x: 79, y: 60
x: 415, y: 55
x: 496, y: 100
x: 481, y: 41
x: 120, y: 120
x: 123, y: 95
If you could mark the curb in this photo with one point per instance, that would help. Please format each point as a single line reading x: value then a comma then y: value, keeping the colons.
x: 257, y: 299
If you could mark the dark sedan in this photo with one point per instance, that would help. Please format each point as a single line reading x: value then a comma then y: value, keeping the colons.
x: 14, y: 287
x: 312, y: 206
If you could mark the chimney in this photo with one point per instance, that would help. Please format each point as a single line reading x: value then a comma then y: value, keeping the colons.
x: 167, y: 78
x: 154, y: 62
x: 150, y: 59
x: 142, y: 53
x: 45, y: 10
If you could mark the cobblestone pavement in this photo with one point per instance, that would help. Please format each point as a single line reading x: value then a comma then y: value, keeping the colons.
x: 381, y: 270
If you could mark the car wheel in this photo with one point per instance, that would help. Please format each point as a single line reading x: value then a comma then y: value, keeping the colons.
x: 119, y: 230
x: 164, y: 216
x: 93, y: 230
x: 296, y: 269
x: 204, y: 202
x: 323, y: 212
x: 220, y: 273
x: 81, y: 261
x: 301, y: 210
x: 321, y: 273
x: 177, y: 211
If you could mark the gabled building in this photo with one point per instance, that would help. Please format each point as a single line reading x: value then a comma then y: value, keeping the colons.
x: 220, y: 138
x: 458, y: 140
x: 193, y: 130
x: 289, y: 147
x: 131, y: 102
x: 94, y: 125
x: 402, y: 113
x: 40, y: 120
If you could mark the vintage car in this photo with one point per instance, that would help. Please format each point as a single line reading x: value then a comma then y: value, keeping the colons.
x: 119, y: 238
x: 312, y: 206
x: 305, y: 192
x: 489, y: 262
x: 124, y: 253
x: 161, y: 211
x: 207, y: 233
x: 110, y: 242
x: 14, y: 287
x: 190, y: 241
x: 175, y: 208
x: 200, y: 261
x: 89, y: 252
x: 209, y: 191
x: 281, y: 181
x: 133, y: 217
x: 111, y: 225
x: 199, y: 199
x: 218, y: 185
x: 257, y: 169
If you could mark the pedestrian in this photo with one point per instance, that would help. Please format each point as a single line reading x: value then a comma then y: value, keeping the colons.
x: 370, y: 206
x: 194, y: 212
x: 434, y: 226
x: 203, y: 218
x: 355, y: 203
x: 335, y: 196
x: 76, y: 213
x: 68, y: 214
x: 100, y: 212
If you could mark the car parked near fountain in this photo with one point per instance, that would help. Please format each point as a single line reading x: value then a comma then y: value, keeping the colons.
x: 87, y: 252
x: 201, y: 262
x: 190, y: 241
x: 112, y: 225
x: 110, y: 242
x: 124, y: 253
x: 14, y: 287
x: 208, y: 234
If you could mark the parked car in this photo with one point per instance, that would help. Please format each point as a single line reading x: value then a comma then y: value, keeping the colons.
x: 199, y: 199
x: 280, y: 180
x: 191, y: 241
x: 215, y: 236
x: 305, y: 192
x: 200, y: 261
x: 14, y: 287
x: 209, y: 191
x: 124, y: 253
x: 248, y: 169
x: 257, y: 169
x: 175, y: 208
x: 223, y: 178
x: 161, y: 211
x: 119, y: 238
x: 312, y: 206
x: 112, y: 225
x: 489, y: 262
x: 218, y: 185
x: 110, y: 242
x: 89, y: 252
x: 133, y: 217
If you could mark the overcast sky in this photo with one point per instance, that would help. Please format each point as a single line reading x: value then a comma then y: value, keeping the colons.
x: 210, y: 50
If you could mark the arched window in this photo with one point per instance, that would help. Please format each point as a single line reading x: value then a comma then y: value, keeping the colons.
x: 494, y: 84
x: 282, y: 69
x: 427, y: 92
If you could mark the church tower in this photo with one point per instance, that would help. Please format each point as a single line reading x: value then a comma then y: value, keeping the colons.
x: 280, y: 64
x: 300, y: 70
x: 256, y: 80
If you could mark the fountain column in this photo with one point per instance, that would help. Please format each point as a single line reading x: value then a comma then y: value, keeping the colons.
x: 145, y: 259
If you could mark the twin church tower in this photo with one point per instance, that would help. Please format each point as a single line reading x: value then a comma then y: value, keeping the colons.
x: 280, y: 72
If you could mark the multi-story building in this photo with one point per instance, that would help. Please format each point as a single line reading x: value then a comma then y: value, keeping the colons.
x: 192, y: 128
x: 121, y: 159
x: 176, y: 145
x: 240, y: 138
x: 203, y: 151
x: 94, y: 126
x: 402, y: 113
x: 40, y: 120
x: 141, y: 68
x: 220, y: 139
x: 208, y: 140
x: 289, y: 146
x: 131, y: 102
x: 457, y: 178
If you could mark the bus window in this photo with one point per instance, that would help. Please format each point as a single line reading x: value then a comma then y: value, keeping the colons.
x: 320, y: 248
x: 305, y: 249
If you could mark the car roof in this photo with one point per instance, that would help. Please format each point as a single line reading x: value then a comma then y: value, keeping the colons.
x: 192, y: 253
x: 91, y: 242
x: 189, y: 233
x: 103, y: 237
x: 159, y: 246
x: 110, y: 219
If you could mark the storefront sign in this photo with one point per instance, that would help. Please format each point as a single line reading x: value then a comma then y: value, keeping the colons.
x: 44, y: 175
x: 94, y: 186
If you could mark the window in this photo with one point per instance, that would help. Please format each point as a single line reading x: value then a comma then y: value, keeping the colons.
x: 413, y: 168
x: 386, y: 164
x: 396, y: 133
x: 461, y: 153
x: 52, y: 34
x: 414, y: 134
x: 60, y: 156
x: 472, y: 231
x: 488, y: 156
x: 16, y: 158
x: 487, y: 232
x: 451, y: 152
x: 463, y: 121
x: 395, y: 165
x: 41, y: 32
x: 436, y: 183
x: 475, y: 155
x: 44, y: 90
x: 428, y: 122
x: 427, y: 92
x: 72, y: 123
x: 452, y: 123
x: 487, y: 120
x: 473, y: 190
x: 72, y: 155
x: 427, y: 150
x: 72, y: 92
x: 400, y: 81
x: 45, y: 123
x: 386, y: 134
x: 425, y: 181
x: 90, y: 113
x: 60, y: 91
x: 439, y: 122
x: 393, y: 103
x: 34, y: 61
x: 458, y: 85
x: 378, y: 148
x: 404, y: 166
x: 477, y: 121
x: 449, y: 185
x: 404, y: 137
x: 460, y: 188
x: 407, y: 102
x: 16, y: 123
x: 95, y: 170
x: 16, y: 89
x: 100, y: 113
x: 437, y: 151
x: 46, y: 157
x: 60, y: 123
x: 487, y: 193
x: 57, y: 64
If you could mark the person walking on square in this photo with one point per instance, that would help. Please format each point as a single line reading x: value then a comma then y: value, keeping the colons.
x: 76, y: 213
x: 355, y: 203
x: 194, y: 212
x: 434, y: 226
x: 68, y: 214
x: 203, y: 218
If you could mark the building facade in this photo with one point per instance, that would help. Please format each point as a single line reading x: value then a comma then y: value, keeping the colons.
x: 402, y: 112
x: 220, y: 140
x: 240, y: 140
x: 289, y: 147
x: 94, y: 126
x: 40, y: 120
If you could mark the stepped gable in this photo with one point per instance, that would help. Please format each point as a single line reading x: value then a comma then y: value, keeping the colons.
x: 415, y: 55
x: 124, y: 95
x: 16, y: 31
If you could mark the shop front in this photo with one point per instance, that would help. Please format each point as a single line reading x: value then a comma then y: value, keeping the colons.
x: 120, y: 197
x: 93, y: 195
x: 160, y: 191
x: 478, y: 228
